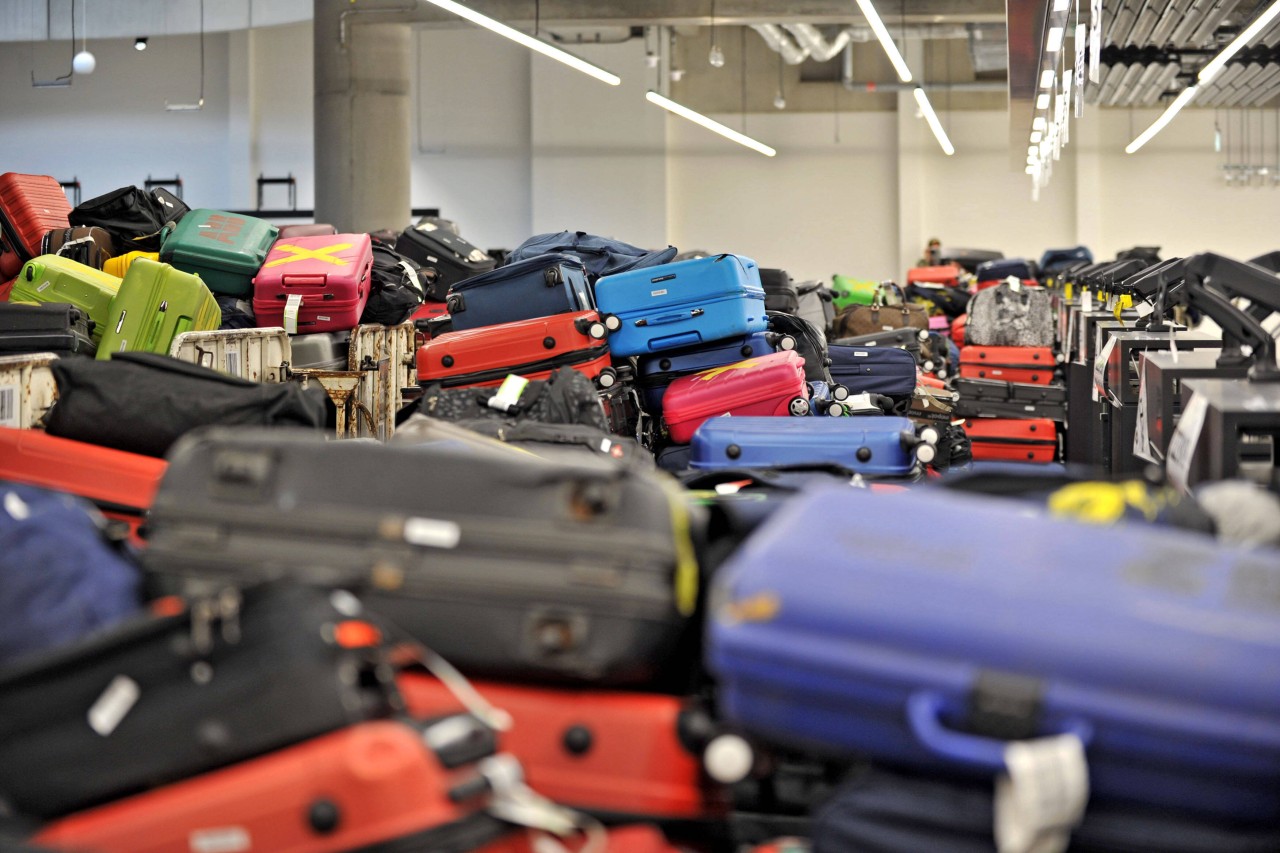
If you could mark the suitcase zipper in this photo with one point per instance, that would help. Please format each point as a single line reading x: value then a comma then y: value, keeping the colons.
x: 1050, y: 442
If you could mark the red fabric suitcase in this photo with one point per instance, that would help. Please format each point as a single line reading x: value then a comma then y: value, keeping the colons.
x: 601, y: 751
x: 958, y: 326
x: 122, y: 485
x: 1013, y: 439
x: 983, y: 285
x: 1008, y: 364
x: 945, y: 274
x: 530, y: 348
x: 370, y: 784
x: 318, y: 229
x: 30, y: 206
x: 766, y: 385
x: 322, y: 281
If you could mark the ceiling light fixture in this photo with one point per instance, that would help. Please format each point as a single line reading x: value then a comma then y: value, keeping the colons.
x: 1184, y: 98
x: 1042, y: 101
x: 1039, y: 123
x: 1046, y: 79
x: 1036, y: 136
x: 1246, y: 35
x: 932, y: 118
x: 890, y: 49
x: 1053, y: 43
x: 709, y: 123
x: 140, y: 43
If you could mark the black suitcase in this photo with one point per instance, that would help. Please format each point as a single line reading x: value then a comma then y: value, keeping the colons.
x: 50, y: 327
x: 445, y: 257
x: 163, y: 698
x: 780, y: 293
x: 993, y: 398
x: 512, y: 567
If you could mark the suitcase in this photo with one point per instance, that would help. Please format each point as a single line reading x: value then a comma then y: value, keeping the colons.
x: 538, y: 287
x: 1013, y: 439
x: 873, y: 446
x: 1004, y: 268
x: 322, y: 351
x: 1011, y: 399
x: 780, y: 293
x: 682, y: 304
x: 310, y: 229
x: 30, y: 207
x: 90, y: 246
x: 657, y: 372
x: 946, y: 274
x: 27, y: 387
x: 519, y: 567
x: 122, y: 485
x: 224, y: 249
x: 169, y: 696
x: 606, y: 752
x: 49, y: 278
x: 765, y: 385
x: 816, y: 305
x: 384, y: 785
x: 119, y: 265
x: 1130, y: 637
x: 445, y: 257
x: 314, y: 284
x: 848, y: 291
x: 1008, y: 364
x: 50, y: 327
x: 959, y: 326
x: 1003, y: 315
x: 385, y: 355
x: 529, y: 348
x: 1055, y: 260
x: 874, y: 370
x: 156, y: 303
x: 259, y: 355
x: 967, y: 259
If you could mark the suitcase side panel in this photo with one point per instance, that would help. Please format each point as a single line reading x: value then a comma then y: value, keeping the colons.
x: 329, y: 274
x: 512, y: 345
x: 768, y: 385
x: 876, y: 370
x: 772, y: 442
x: 50, y: 278
x: 32, y: 205
x: 1008, y: 364
x: 157, y: 302
x: 225, y: 249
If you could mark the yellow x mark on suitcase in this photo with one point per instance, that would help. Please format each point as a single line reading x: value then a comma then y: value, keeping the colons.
x: 298, y: 253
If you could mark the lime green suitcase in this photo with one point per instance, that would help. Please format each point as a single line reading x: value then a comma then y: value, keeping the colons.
x: 156, y: 303
x: 852, y: 291
x: 54, y: 279
x: 225, y: 249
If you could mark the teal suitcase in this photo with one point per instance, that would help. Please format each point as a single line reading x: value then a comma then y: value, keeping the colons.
x: 156, y: 303
x: 225, y: 249
x: 54, y: 279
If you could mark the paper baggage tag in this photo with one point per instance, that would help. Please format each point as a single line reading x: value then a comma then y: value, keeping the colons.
x: 1144, y: 308
x: 1142, y: 435
x: 1182, y: 446
x: 9, y: 406
x: 508, y: 393
x: 1043, y: 796
x: 291, y: 306
x: 1086, y: 300
x: 1100, y: 368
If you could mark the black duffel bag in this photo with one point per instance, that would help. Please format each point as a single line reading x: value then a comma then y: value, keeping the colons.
x: 395, y: 290
x: 133, y: 217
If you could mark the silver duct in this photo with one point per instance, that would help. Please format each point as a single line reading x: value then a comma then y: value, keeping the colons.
x: 779, y: 41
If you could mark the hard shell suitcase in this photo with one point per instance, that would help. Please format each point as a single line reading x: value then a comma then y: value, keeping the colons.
x: 1004, y: 268
x: 1132, y: 638
x: 537, y: 287
x: 30, y: 207
x: 529, y: 348
x: 50, y: 278
x: 445, y: 257
x: 225, y: 249
x: 765, y: 385
x: 49, y: 327
x: 947, y: 274
x: 780, y: 293
x: 259, y: 355
x: 314, y: 284
x: 657, y: 372
x: 310, y: 229
x: 91, y: 246
x: 682, y: 304
x: 27, y: 388
x: 1055, y: 260
x: 119, y: 265
x: 156, y: 303
x: 848, y: 291
x: 873, y: 446
x: 874, y: 370
x: 959, y: 326
x: 816, y: 305
x: 1008, y: 364
x: 1011, y: 399
x: 1013, y: 439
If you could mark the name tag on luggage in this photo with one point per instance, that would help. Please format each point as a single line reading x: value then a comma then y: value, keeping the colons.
x: 291, y: 307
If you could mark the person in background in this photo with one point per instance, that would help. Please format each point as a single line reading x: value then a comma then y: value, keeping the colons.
x: 932, y: 254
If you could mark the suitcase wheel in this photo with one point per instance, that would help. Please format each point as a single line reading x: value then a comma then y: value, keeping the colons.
x: 837, y: 410
x: 839, y: 392
x: 929, y: 435
x: 786, y: 343
x: 612, y: 323
x: 922, y: 335
x: 942, y: 373
x: 926, y: 453
x: 594, y: 329
x: 607, y: 378
x: 928, y: 365
x: 799, y: 407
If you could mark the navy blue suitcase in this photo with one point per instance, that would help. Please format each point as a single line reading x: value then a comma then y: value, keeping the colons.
x: 1054, y: 260
x: 656, y: 372
x: 874, y: 446
x: 1003, y: 268
x: 682, y: 304
x: 1160, y: 649
x: 874, y: 370
x: 536, y: 287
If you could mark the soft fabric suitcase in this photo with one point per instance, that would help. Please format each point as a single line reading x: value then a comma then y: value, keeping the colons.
x: 445, y: 257
x: 1152, y: 645
x: 27, y: 387
x: 765, y: 385
x: 163, y: 697
x: 259, y: 355
x: 1055, y: 260
x: 601, y: 256
x: 517, y: 567
x: 564, y: 397
x: 848, y: 291
x: 780, y: 293
x: 816, y: 305
x: 49, y: 327
x: 314, y: 284
x: 1004, y: 268
x: 50, y: 278
x: 1008, y: 364
x: 683, y: 304
x: 655, y: 373
x: 537, y: 287
x: 30, y: 207
x: 529, y: 348
x: 119, y: 265
x: 873, y: 446
x: 874, y: 370
x: 224, y: 249
x: 946, y: 274
x: 1004, y: 315
x: 310, y: 229
x: 806, y: 339
x: 134, y: 218
x: 1013, y: 439
x: 156, y: 303
x: 91, y: 246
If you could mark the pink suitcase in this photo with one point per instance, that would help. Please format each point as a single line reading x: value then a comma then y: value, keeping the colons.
x: 767, y: 385
x: 314, y: 284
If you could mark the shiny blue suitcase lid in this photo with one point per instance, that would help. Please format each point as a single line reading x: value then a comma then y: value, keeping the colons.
x: 870, y: 445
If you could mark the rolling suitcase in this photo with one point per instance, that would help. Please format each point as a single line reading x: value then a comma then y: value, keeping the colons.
x: 816, y: 305
x: 156, y: 303
x: 874, y: 370
x: 1132, y: 638
x: 119, y: 265
x: 1013, y: 439
x: 1008, y: 364
x: 765, y: 385
x: 259, y: 355
x: 225, y: 249
x: 1055, y: 260
x: 529, y: 348
x: 873, y: 446
x: 30, y: 207
x: 50, y: 327
x: 1004, y: 268
x: 445, y: 257
x: 959, y: 326
x: 848, y: 291
x: 314, y: 284
x: 657, y: 372
x: 780, y: 293
x: 1011, y: 399
x: 537, y: 287
x: 50, y: 278
x: 91, y: 246
x: 27, y: 388
x: 946, y: 274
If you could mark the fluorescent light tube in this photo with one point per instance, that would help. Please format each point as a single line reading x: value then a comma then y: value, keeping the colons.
x: 1042, y: 101
x: 1158, y: 125
x: 1247, y: 35
x: 1061, y: 5
x: 528, y: 41
x: 890, y: 49
x: 1036, y: 136
x: 709, y: 123
x: 1033, y: 149
x: 1039, y: 123
x: 1031, y: 169
x: 1046, y: 79
x: 936, y: 126
x: 1053, y: 43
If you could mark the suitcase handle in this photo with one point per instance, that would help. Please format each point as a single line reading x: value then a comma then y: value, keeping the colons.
x: 669, y: 318
x: 314, y: 279
x: 924, y: 714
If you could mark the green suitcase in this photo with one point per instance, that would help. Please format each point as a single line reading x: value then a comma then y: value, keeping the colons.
x: 852, y: 291
x: 156, y: 303
x: 50, y: 278
x: 225, y: 249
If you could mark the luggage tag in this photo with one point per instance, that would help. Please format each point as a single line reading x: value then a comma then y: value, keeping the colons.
x: 1015, y: 283
x: 1086, y: 300
x: 1042, y: 796
x: 291, y: 307
x: 508, y: 396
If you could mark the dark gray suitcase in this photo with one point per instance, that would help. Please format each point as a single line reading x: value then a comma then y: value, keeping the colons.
x: 49, y: 327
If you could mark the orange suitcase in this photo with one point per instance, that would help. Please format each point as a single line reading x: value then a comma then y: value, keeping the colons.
x: 1013, y: 439
x: 944, y: 274
x: 1008, y: 364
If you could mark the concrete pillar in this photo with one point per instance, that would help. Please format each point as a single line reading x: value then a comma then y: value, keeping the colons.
x: 363, y: 114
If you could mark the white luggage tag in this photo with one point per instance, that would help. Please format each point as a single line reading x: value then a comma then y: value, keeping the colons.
x: 1043, y: 796
x: 509, y: 392
x: 291, y: 306
x: 1015, y: 283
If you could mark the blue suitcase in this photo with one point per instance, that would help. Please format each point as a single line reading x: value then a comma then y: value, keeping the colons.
x: 1160, y: 649
x: 1054, y: 260
x: 874, y: 446
x: 682, y: 304
x: 874, y: 370
x: 537, y: 287
x: 656, y: 372
x: 1003, y: 268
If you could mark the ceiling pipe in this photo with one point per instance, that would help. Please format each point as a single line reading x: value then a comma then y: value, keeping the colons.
x: 810, y: 38
x: 779, y: 41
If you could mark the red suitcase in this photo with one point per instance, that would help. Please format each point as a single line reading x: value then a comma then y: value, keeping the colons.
x: 1013, y: 439
x: 766, y: 385
x: 371, y: 784
x: 958, y: 326
x: 314, y: 284
x: 601, y: 751
x: 31, y: 206
x: 122, y: 485
x: 1008, y: 364
x: 992, y: 282
x: 945, y: 274
x: 531, y: 348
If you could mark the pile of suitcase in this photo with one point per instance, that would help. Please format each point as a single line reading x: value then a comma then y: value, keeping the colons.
x: 487, y: 619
